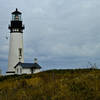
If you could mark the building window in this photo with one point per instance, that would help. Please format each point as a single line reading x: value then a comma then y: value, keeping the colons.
x: 17, y: 70
x: 20, y: 70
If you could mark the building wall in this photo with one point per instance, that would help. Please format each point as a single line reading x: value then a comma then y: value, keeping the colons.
x: 26, y: 71
x: 19, y: 70
x: 36, y: 70
x: 10, y: 73
x: 16, y: 42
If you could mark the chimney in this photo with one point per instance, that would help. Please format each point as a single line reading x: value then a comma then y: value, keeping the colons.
x: 35, y: 60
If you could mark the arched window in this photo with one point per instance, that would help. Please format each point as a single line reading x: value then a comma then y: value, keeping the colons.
x: 17, y: 70
x: 20, y: 70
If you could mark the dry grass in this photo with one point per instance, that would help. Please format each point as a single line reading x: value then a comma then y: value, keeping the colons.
x: 80, y: 84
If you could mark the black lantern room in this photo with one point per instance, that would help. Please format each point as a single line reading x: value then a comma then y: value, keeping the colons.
x: 16, y: 22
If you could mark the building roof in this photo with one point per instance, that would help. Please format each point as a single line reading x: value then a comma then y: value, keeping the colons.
x: 16, y: 12
x: 28, y: 65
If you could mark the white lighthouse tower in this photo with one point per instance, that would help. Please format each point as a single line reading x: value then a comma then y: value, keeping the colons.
x: 16, y: 50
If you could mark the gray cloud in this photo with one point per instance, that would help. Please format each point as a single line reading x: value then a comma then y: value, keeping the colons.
x: 58, y: 32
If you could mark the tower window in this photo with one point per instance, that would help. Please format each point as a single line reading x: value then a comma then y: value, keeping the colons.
x: 20, y: 52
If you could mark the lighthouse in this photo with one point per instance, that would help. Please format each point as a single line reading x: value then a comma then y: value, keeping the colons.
x: 16, y: 50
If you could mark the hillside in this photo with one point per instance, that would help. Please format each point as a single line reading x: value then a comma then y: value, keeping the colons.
x: 80, y: 84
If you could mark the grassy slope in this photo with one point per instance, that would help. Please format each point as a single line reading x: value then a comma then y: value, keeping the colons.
x: 83, y: 84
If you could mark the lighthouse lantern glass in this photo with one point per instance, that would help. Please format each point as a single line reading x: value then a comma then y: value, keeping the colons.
x: 16, y: 17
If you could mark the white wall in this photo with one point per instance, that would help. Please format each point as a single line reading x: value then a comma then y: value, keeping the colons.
x: 17, y: 70
x: 36, y: 70
x: 16, y: 42
x: 10, y: 73
x: 26, y: 71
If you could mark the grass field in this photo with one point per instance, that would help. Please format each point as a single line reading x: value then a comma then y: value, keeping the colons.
x: 79, y: 84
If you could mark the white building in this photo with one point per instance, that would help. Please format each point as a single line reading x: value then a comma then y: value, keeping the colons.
x: 27, y: 68
x: 16, y: 50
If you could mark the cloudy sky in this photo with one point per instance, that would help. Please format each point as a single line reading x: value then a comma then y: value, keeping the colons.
x: 60, y: 33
